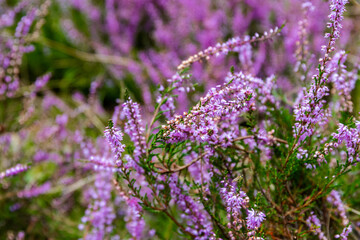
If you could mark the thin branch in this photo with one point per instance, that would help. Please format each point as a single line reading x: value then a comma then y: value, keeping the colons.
x: 88, y: 57
x: 313, y: 198
x: 185, y: 166
x: 178, y: 224
x: 280, y: 140
x: 352, y: 210
x: 172, y: 170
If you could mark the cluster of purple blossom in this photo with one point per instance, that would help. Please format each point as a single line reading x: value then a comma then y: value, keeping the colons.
x: 99, y: 214
x: 351, y: 138
x: 235, y: 203
x: 34, y: 191
x: 196, y: 220
x: 13, y: 48
x: 114, y: 136
x: 13, y: 171
x: 311, y: 109
x: 179, y: 29
x: 231, y: 45
x: 315, y: 224
x: 178, y: 168
x: 215, y: 118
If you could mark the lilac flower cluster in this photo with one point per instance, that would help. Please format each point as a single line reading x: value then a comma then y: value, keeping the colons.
x: 239, y: 128
x: 343, y: 80
x: 344, y: 235
x: 134, y: 127
x: 336, y: 16
x: 114, y: 136
x: 310, y: 111
x: 224, y: 48
x: 13, y: 49
x: 334, y: 199
x: 135, y: 224
x: 314, y: 225
x: 351, y: 138
x: 100, y: 213
x: 235, y: 202
x: 201, y: 124
x: 34, y: 191
x: 19, y: 168
x: 103, y: 163
x: 254, y: 219
x: 7, y: 18
x: 197, y: 221
x: 11, y: 60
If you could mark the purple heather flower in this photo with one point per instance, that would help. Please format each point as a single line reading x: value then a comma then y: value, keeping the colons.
x: 61, y: 121
x: 114, y: 137
x: 5, y: 141
x: 351, y: 137
x: 135, y: 224
x: 314, y: 225
x: 15, y: 207
x: 254, y: 219
x: 134, y: 127
x: 42, y: 81
x: 197, y: 220
x: 336, y: 16
x: 200, y: 170
x: 310, y: 111
x: 344, y: 235
x: 20, y: 235
x: 51, y: 100
x: 343, y: 80
x: 8, y: 17
x: 180, y: 83
x: 335, y: 200
x: 94, y: 87
x: 103, y: 163
x: 168, y: 108
x: 100, y: 212
x: 224, y: 48
x: 34, y: 191
x: 219, y: 110
x: 19, y: 168
x: 41, y: 156
x: 234, y: 201
x: 11, y: 59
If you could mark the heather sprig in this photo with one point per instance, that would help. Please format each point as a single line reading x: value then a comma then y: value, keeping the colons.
x: 13, y: 48
x: 335, y: 199
x: 114, y: 136
x: 345, y: 233
x: 134, y: 127
x: 311, y: 110
x: 224, y: 48
x: 314, y: 225
x: 260, y: 151
x: 19, y: 168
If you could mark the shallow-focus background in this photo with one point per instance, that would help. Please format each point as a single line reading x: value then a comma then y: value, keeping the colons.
x: 99, y: 52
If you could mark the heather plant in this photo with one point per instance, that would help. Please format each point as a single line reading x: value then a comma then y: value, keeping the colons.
x: 234, y: 120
